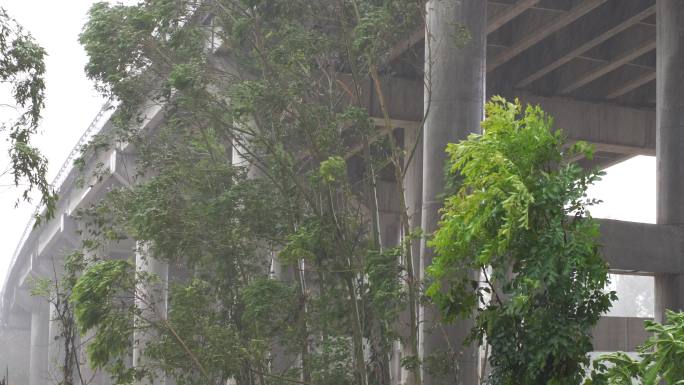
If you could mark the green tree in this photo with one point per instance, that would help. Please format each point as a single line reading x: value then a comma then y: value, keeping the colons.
x: 267, y: 155
x: 22, y: 66
x: 517, y: 249
x: 659, y: 361
x: 57, y: 290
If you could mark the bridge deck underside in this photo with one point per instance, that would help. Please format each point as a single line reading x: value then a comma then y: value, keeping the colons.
x: 594, y: 51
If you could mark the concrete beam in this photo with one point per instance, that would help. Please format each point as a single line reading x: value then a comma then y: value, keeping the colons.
x: 498, y: 20
x: 609, y: 127
x: 577, y: 40
x: 493, y: 24
x: 57, y: 236
x: 556, y: 24
x: 631, y: 85
x: 109, y: 170
x: 608, y: 67
x: 642, y: 247
x: 619, y: 334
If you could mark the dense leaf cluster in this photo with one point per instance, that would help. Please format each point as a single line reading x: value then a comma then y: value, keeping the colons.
x: 519, y: 220
x: 258, y: 185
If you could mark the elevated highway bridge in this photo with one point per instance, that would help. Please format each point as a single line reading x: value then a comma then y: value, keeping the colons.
x: 609, y: 71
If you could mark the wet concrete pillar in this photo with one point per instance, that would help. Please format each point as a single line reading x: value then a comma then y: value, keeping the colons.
x: 55, y: 345
x: 413, y: 194
x: 38, y: 361
x: 669, y: 289
x: 151, y: 299
x: 455, y: 62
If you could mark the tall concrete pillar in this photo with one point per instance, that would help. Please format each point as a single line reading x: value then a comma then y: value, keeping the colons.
x: 454, y: 100
x: 413, y: 195
x: 40, y: 318
x: 151, y: 299
x: 55, y: 346
x: 94, y: 376
x: 669, y: 291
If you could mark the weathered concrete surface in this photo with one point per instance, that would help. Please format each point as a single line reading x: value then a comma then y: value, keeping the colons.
x: 151, y: 299
x: 609, y: 127
x: 619, y: 334
x: 56, y: 354
x: 413, y: 193
x: 454, y: 100
x: 16, y: 360
x: 39, y: 342
x: 670, y: 139
x: 642, y: 247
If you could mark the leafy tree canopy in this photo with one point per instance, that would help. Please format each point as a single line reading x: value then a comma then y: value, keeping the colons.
x: 260, y: 183
x: 518, y: 219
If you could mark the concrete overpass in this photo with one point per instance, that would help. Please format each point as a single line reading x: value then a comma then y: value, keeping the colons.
x: 609, y: 71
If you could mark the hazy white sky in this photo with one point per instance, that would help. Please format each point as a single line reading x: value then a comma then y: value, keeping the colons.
x: 71, y: 101
x: 628, y: 190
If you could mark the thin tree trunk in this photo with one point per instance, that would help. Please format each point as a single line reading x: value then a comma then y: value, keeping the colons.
x: 357, y: 333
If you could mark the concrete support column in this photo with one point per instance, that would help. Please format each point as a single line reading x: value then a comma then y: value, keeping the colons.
x: 55, y: 346
x: 95, y: 376
x: 40, y: 318
x: 454, y: 100
x: 151, y: 299
x: 669, y: 291
x: 413, y: 193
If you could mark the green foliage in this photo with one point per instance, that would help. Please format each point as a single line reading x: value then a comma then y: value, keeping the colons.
x: 264, y: 301
x: 659, y: 359
x: 332, y: 362
x: 57, y: 291
x: 22, y: 66
x: 98, y: 296
x: 333, y: 169
x: 253, y: 184
x: 517, y: 249
x: 193, y: 313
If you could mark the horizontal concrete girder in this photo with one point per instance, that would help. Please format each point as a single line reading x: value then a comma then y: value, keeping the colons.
x: 642, y: 247
x: 610, y: 128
